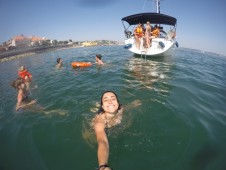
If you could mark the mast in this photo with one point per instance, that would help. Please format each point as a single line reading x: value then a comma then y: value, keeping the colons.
x: 158, y: 6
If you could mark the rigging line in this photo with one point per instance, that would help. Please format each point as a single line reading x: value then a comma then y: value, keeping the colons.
x: 144, y: 5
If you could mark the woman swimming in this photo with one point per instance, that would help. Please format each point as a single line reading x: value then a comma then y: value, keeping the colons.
x: 25, y: 75
x: 23, y: 93
x: 109, y: 115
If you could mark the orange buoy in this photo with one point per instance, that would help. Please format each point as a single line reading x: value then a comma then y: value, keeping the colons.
x: 81, y: 64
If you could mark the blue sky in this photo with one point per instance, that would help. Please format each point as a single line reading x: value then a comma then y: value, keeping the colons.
x: 201, y: 23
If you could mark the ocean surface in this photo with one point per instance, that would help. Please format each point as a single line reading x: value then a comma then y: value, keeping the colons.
x: 180, y: 124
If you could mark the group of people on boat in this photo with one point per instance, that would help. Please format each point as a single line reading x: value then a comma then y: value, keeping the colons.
x: 145, y: 34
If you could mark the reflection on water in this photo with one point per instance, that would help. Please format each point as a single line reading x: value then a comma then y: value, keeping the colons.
x: 145, y: 72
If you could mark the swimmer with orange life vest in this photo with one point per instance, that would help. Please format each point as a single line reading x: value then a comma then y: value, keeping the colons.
x: 25, y: 75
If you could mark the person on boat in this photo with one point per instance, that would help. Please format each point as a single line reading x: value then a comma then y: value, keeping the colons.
x: 99, y: 60
x: 109, y: 115
x: 147, y: 35
x: 23, y: 93
x: 25, y: 75
x: 143, y: 36
x: 155, y: 33
x: 138, y: 34
x: 59, y: 63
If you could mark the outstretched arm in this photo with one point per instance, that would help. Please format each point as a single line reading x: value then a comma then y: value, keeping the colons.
x: 103, y: 145
x: 20, y: 105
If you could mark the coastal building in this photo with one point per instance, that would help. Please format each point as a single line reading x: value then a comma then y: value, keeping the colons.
x: 88, y: 43
x: 22, y: 41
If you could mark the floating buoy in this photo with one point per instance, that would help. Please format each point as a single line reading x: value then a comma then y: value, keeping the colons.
x: 162, y: 45
x: 80, y: 64
x: 127, y: 46
x: 176, y: 43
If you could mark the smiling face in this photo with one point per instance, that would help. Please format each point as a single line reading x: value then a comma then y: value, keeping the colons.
x: 109, y: 102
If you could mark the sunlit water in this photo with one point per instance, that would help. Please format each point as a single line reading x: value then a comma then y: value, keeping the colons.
x: 181, y: 124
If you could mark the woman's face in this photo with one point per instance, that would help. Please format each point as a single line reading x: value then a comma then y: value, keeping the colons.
x: 109, y: 102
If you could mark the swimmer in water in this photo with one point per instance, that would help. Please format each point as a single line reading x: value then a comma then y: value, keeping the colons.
x: 25, y: 75
x: 24, y: 103
x: 109, y: 115
x: 59, y: 63
x: 98, y: 59
x: 22, y: 96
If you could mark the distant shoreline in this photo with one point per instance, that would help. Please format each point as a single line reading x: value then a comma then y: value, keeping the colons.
x: 20, y: 53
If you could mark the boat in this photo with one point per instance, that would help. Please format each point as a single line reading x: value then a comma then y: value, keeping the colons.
x: 160, y: 45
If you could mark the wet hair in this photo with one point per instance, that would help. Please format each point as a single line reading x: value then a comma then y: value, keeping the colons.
x: 58, y: 60
x: 101, y: 110
x: 22, y: 68
x: 16, y: 83
x: 99, y: 56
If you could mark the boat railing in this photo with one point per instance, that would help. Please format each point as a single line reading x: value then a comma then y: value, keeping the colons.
x: 128, y: 34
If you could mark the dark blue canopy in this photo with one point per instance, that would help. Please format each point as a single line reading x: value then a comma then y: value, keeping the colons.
x: 153, y: 18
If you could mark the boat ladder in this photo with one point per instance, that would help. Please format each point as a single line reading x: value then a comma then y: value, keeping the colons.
x: 143, y: 53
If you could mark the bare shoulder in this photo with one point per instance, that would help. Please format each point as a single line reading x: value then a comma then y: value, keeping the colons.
x: 99, y: 118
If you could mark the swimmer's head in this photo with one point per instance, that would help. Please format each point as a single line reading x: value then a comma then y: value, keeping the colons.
x: 109, y: 102
x: 58, y: 60
x: 99, y: 56
x: 17, y: 83
x: 22, y: 68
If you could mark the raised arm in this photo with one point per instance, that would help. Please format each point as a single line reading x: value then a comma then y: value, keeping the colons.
x: 103, y: 146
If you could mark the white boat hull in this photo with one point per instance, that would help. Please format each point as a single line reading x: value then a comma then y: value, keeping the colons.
x: 155, y: 50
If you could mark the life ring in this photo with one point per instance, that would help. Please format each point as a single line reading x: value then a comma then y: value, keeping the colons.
x: 81, y: 64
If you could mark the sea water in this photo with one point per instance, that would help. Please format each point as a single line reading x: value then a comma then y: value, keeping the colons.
x: 180, y: 124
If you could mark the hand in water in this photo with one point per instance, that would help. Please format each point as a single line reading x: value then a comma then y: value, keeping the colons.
x: 33, y: 102
x: 107, y: 168
x: 96, y: 108
x: 35, y: 87
x: 136, y: 103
